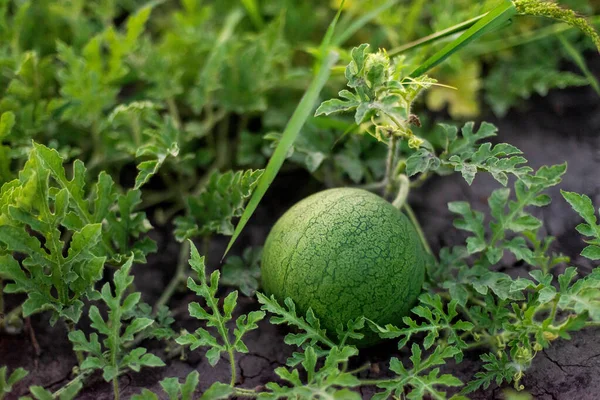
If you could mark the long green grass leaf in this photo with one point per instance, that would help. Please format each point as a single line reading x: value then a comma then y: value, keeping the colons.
x: 327, y: 38
x: 362, y: 21
x: 434, y: 37
x: 496, y: 45
x: 254, y: 13
x: 290, y: 133
x: 580, y: 62
x: 492, y: 20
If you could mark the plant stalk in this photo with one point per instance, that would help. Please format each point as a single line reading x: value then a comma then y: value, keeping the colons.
x: 413, y: 218
x: 232, y: 363
x: 239, y: 392
x: 81, y: 377
x: 179, y: 277
x: 116, y: 387
x: 403, y: 189
x: 389, y: 166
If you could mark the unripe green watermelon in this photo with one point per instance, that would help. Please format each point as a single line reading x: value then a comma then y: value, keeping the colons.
x: 345, y: 253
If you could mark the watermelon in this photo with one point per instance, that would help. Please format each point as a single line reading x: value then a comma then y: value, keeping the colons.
x: 345, y: 253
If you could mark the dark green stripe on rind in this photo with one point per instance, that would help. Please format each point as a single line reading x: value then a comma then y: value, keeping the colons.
x: 345, y: 253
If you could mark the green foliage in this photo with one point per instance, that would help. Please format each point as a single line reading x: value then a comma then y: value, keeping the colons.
x: 162, y: 325
x: 583, y: 206
x: 463, y: 154
x: 173, y: 388
x: 495, y: 369
x: 43, y: 201
x: 216, y: 317
x: 8, y: 381
x: 187, y: 90
x: 223, y: 199
x: 111, y: 356
x: 90, y: 79
x: 508, y: 216
x: 526, y: 79
x: 70, y: 392
x: 151, y: 135
x: 329, y: 381
x: 58, y: 272
x: 514, y: 317
x: 243, y: 272
x: 379, y: 94
x: 436, y: 321
x: 310, y: 331
x: 420, y: 382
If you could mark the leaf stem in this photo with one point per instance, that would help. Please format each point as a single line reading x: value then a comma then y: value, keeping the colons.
x: 372, y: 382
x: 71, y: 328
x: 240, y: 392
x: 413, y: 218
x: 554, y: 307
x: 116, y: 387
x: 180, y: 275
x: 403, y: 189
x: 81, y: 377
x: 232, y: 363
x: 389, y: 165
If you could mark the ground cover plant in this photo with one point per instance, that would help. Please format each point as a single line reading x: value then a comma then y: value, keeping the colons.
x: 120, y: 120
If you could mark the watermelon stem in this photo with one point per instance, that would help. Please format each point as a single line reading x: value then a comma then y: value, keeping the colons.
x: 389, y: 166
x: 403, y: 189
x: 413, y: 218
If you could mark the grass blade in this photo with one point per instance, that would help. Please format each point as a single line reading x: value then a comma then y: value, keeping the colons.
x: 434, y: 37
x: 490, y: 21
x: 580, y: 62
x: 327, y: 38
x: 362, y: 21
x: 290, y: 133
x: 254, y: 13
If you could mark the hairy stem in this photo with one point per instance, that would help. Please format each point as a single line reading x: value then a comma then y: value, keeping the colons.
x: 389, y: 166
x: 373, y: 382
x: 116, y: 387
x: 403, y: 189
x: 240, y: 392
x: 413, y: 218
x: 554, y: 308
x: 79, y: 378
x: 232, y: 363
